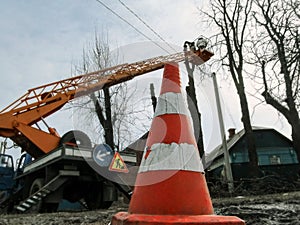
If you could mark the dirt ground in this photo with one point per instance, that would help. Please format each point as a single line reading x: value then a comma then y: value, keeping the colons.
x: 283, y: 208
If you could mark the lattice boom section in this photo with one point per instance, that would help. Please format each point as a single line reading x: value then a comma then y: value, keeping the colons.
x: 87, y: 83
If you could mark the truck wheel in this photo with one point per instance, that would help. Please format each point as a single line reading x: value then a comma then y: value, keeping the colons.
x: 106, y: 205
x: 94, y: 202
x: 77, y: 138
x: 50, y: 207
x: 36, y: 185
x: 94, y: 198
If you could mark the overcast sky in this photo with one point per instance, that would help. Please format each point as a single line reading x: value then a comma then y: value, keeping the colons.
x: 40, y: 40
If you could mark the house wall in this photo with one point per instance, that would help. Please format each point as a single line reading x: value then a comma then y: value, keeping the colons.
x: 275, y: 154
x: 272, y: 149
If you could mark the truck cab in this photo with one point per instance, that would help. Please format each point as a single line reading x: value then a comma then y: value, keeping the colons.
x: 7, y: 174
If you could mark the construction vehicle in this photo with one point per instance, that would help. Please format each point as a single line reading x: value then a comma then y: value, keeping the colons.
x: 7, y: 173
x: 59, y: 170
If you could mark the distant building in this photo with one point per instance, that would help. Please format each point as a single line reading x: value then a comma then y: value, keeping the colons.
x: 133, y: 153
x: 276, y: 155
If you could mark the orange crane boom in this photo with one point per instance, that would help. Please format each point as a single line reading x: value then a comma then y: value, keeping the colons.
x: 17, y: 119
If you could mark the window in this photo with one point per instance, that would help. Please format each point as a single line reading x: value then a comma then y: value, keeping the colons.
x: 5, y: 161
x: 276, y: 155
x: 274, y: 160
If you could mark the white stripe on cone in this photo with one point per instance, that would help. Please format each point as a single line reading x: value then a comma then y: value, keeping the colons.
x: 170, y: 103
x: 172, y: 157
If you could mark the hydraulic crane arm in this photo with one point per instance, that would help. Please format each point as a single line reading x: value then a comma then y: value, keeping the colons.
x: 16, y: 120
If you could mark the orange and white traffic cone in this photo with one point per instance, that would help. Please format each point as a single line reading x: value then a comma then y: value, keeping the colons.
x: 170, y: 186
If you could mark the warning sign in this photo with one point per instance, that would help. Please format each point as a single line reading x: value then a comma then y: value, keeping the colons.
x: 117, y: 164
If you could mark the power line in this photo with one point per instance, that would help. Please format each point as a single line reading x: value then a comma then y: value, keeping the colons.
x: 148, y: 26
x: 124, y: 20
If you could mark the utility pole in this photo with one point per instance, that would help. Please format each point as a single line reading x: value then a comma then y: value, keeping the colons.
x: 228, y: 172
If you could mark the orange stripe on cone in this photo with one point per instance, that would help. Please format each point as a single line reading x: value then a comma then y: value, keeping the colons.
x: 183, y: 193
x: 167, y: 191
x: 170, y: 82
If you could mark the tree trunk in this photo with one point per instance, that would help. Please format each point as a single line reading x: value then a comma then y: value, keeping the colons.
x: 292, y: 116
x: 295, y: 124
x: 193, y: 108
x: 105, y: 117
x: 296, y: 143
x: 252, y: 154
x: 108, y: 127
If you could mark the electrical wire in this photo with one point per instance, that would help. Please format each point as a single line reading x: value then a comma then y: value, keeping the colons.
x: 148, y: 26
x: 124, y: 20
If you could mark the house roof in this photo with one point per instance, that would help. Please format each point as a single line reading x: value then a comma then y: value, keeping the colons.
x: 210, y: 156
x: 138, y: 145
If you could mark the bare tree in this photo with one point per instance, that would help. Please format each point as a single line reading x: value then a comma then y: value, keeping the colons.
x: 276, y: 46
x: 231, y: 18
x: 112, y: 107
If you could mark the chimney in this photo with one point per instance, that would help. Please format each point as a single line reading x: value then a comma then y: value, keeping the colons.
x: 231, y: 132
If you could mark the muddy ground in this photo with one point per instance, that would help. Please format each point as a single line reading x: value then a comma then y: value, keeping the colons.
x: 283, y: 208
